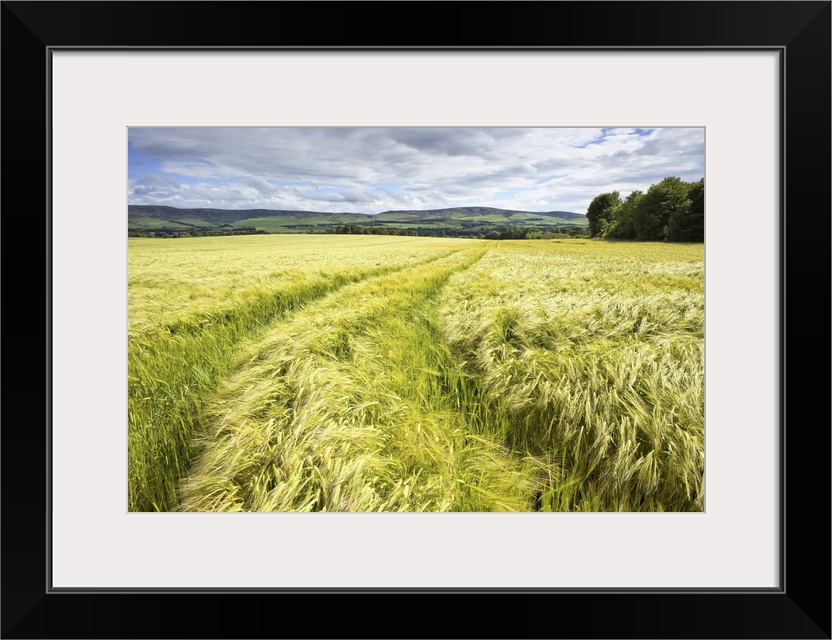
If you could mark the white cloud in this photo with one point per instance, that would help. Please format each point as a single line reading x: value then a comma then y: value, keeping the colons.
x: 375, y: 169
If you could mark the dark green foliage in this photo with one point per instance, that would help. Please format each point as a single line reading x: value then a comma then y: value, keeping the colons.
x: 671, y: 210
x: 687, y: 221
x: 622, y: 226
x: 194, y: 232
x: 678, y: 226
x: 651, y: 217
x: 600, y: 211
x: 502, y: 232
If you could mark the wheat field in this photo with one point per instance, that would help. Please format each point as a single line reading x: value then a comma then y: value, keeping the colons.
x: 383, y: 373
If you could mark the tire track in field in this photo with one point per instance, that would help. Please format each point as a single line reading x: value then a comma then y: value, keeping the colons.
x: 342, y: 408
x: 170, y: 372
x: 611, y: 418
x: 267, y: 307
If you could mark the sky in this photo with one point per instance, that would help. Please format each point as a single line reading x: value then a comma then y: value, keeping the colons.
x: 370, y: 170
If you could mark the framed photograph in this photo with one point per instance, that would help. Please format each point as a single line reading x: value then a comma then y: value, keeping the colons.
x: 174, y: 103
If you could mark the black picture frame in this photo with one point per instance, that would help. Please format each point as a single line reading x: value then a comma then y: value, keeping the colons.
x: 799, y: 608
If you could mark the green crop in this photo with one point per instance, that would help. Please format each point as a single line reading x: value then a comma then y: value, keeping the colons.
x: 361, y: 373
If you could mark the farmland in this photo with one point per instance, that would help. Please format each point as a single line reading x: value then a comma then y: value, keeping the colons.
x: 145, y: 220
x: 384, y: 373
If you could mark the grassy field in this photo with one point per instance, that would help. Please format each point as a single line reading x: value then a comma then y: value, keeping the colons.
x: 380, y: 373
x: 162, y: 217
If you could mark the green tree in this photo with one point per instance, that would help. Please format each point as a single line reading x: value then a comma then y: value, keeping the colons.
x: 651, y: 216
x: 622, y: 226
x: 600, y: 209
x: 687, y: 221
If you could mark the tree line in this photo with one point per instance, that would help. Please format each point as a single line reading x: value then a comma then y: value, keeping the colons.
x: 502, y: 232
x: 671, y: 210
x: 167, y: 232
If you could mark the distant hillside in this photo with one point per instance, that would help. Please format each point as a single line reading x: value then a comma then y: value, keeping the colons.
x: 487, y: 212
x: 459, y: 220
x: 154, y: 217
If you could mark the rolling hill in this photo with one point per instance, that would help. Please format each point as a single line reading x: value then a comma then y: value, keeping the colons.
x: 473, y: 219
